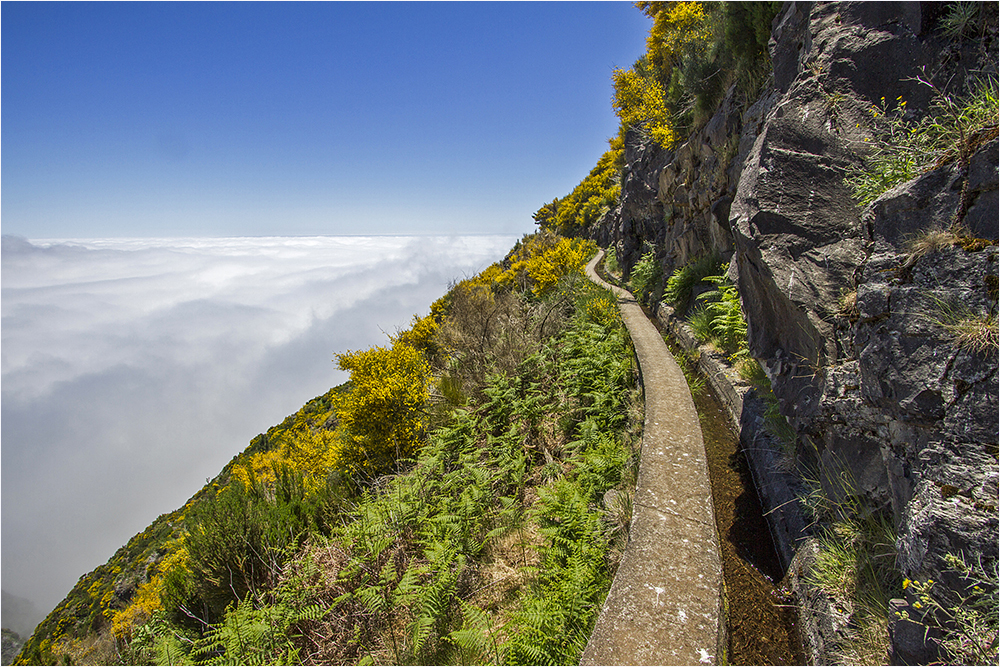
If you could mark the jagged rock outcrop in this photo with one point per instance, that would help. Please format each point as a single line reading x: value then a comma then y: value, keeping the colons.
x: 854, y: 327
x: 678, y: 201
x: 888, y: 401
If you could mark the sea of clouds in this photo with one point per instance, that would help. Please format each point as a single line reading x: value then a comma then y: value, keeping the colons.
x: 134, y: 369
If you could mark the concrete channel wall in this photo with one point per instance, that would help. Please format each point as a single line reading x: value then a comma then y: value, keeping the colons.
x: 665, y: 604
x: 821, y: 620
x: 787, y: 525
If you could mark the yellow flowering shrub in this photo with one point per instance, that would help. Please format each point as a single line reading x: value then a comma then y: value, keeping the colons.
x: 674, y: 27
x: 421, y: 334
x: 259, y: 467
x: 639, y: 100
x: 312, y: 452
x: 640, y: 97
x: 148, y: 596
x: 589, y: 200
x: 544, y: 259
x: 602, y: 310
x: 381, y: 415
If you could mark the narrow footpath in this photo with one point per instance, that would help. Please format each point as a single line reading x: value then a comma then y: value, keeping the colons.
x: 665, y: 604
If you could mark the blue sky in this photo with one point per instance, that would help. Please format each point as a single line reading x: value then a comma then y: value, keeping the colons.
x: 227, y: 119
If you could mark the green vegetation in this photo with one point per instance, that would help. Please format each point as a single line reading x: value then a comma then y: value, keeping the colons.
x: 688, y: 361
x: 611, y: 262
x: 645, y: 275
x: 856, y: 564
x: 694, y: 52
x: 727, y: 326
x: 681, y: 283
x: 720, y: 321
x: 966, y: 19
x: 967, y: 621
x: 464, y: 498
x: 900, y: 150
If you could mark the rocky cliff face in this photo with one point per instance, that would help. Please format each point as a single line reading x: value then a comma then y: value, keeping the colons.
x: 852, y: 324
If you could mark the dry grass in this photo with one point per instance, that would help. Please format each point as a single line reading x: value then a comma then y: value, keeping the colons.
x: 936, y: 240
x: 96, y: 649
x: 847, y: 305
x: 868, y: 643
x: 499, y: 330
x: 965, y: 328
x: 974, y: 332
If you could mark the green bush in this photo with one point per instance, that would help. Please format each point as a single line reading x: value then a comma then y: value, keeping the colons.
x: 241, y: 539
x: 746, y: 31
x: 855, y: 564
x: 699, y: 49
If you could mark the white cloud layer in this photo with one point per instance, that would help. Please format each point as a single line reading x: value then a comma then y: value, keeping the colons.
x: 134, y: 369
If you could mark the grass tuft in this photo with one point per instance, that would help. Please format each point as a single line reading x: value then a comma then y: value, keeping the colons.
x: 856, y: 564
x: 965, y: 328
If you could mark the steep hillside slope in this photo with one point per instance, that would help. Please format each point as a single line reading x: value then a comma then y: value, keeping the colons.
x: 464, y: 498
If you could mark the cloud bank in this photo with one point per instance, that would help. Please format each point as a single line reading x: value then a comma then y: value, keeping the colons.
x: 133, y: 370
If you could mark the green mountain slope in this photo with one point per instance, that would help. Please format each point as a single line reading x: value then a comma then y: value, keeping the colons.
x: 461, y: 499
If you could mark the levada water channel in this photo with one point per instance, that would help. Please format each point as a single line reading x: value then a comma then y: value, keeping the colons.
x: 761, y: 619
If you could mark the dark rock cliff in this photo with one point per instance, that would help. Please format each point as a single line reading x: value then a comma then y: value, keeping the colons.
x: 849, y: 322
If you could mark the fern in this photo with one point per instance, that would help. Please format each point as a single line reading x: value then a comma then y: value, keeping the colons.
x: 169, y: 650
x: 476, y: 639
x: 727, y: 326
x: 682, y: 281
x: 646, y: 273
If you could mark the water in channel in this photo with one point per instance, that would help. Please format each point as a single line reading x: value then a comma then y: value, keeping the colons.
x: 760, y: 616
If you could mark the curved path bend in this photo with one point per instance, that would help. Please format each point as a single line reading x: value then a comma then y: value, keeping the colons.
x: 665, y: 604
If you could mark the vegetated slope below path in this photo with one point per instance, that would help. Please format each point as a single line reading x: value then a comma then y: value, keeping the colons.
x: 664, y: 606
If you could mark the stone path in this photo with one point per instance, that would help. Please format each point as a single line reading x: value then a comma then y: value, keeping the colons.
x: 665, y: 604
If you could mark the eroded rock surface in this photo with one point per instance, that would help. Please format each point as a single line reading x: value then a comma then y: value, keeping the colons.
x: 852, y: 311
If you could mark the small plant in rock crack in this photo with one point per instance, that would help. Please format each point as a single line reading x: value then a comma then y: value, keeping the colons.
x: 967, y: 329
x: 967, y: 619
x: 901, y: 149
x: 964, y: 19
x: 894, y: 151
x: 749, y: 369
x: 847, y: 305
